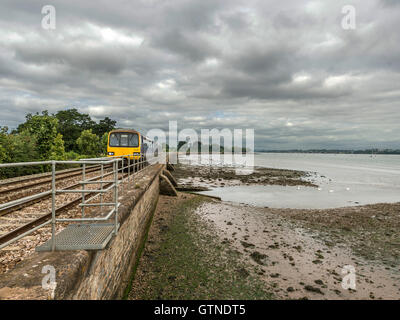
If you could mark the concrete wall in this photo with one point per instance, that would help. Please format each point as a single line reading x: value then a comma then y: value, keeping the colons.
x: 102, y: 274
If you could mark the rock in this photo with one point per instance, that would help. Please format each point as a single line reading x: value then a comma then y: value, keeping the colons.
x: 247, y: 245
x: 319, y: 282
x: 313, y: 289
x: 166, y: 187
x: 258, y: 257
x: 170, y: 177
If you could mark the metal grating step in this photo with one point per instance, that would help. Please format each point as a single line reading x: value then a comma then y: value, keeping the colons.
x: 81, y: 237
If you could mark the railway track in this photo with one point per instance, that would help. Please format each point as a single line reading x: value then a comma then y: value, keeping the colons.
x: 35, y: 222
x: 26, y: 183
x: 23, y: 202
x: 22, y: 179
x: 42, y: 219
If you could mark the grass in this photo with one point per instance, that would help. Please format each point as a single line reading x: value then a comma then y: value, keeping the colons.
x: 190, y: 262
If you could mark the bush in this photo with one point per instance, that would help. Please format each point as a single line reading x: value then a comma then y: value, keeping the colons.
x: 88, y: 144
x: 104, y: 143
x: 18, y: 148
x: 57, y: 151
x: 71, y: 155
x: 44, y: 128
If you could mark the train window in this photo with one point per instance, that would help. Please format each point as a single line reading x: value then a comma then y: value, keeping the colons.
x: 124, y: 139
x: 114, y: 141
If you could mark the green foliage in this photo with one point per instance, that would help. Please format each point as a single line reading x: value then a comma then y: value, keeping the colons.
x: 71, y: 123
x: 5, y: 146
x: 103, y: 143
x: 24, y: 147
x: 19, y: 147
x: 88, y: 143
x: 104, y: 126
x: 71, y: 155
x: 44, y: 128
x: 57, y: 151
x: 66, y: 135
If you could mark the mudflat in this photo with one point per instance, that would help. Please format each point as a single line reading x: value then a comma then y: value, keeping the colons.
x: 267, y: 252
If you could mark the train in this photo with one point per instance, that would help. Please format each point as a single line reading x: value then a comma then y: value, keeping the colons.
x: 123, y: 142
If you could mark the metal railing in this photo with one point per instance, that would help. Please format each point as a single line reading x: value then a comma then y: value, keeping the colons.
x: 128, y: 165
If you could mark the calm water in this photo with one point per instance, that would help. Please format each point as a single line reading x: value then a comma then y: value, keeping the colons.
x: 344, y: 180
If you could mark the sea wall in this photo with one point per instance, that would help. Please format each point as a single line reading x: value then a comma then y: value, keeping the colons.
x: 102, y: 274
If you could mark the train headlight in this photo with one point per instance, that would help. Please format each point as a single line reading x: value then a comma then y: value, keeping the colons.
x: 111, y: 153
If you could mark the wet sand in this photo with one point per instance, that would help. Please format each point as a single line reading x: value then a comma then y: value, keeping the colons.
x: 300, y: 253
x: 294, y: 261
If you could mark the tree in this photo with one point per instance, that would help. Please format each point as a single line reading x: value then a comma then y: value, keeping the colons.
x: 44, y: 128
x: 17, y: 147
x: 88, y: 143
x: 104, y: 126
x: 5, y: 145
x: 71, y: 123
x: 104, y: 143
x: 24, y: 147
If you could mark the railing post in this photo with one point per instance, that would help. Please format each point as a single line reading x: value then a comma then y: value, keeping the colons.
x: 129, y: 168
x: 101, y: 187
x: 53, y: 205
x: 116, y: 194
x: 83, y: 188
x: 133, y: 168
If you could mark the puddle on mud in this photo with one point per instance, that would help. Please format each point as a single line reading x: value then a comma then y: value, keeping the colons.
x: 301, y: 197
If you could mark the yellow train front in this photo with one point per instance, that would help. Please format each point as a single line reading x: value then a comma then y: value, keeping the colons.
x: 123, y: 142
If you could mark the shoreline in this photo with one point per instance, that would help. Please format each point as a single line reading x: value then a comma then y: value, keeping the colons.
x: 184, y: 259
x: 196, y: 240
x: 294, y: 253
x: 205, y: 176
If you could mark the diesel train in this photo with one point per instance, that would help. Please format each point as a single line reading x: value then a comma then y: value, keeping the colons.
x: 122, y: 142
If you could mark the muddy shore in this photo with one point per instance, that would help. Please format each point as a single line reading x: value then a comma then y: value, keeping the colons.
x: 293, y: 253
x: 206, y: 177
x: 183, y: 259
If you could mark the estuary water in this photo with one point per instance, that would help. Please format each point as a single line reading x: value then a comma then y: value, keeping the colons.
x: 343, y: 180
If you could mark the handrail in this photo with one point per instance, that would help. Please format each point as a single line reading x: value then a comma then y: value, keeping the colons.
x: 122, y: 163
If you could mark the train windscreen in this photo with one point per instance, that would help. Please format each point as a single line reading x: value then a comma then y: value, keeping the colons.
x: 124, y: 139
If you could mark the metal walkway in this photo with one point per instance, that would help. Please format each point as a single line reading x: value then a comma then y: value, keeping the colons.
x: 81, y: 237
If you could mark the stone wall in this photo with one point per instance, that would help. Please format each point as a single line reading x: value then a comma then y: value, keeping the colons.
x: 102, y: 274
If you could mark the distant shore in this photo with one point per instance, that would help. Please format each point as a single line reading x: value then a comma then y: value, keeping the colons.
x: 323, y: 151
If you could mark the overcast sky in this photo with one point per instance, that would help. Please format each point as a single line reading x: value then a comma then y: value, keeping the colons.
x: 285, y: 68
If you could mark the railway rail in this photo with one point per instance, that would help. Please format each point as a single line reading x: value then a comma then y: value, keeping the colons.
x: 26, y: 182
x: 34, y: 224
x: 21, y: 179
x: 23, y: 202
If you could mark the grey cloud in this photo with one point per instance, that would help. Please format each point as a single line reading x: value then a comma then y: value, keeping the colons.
x: 285, y: 68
